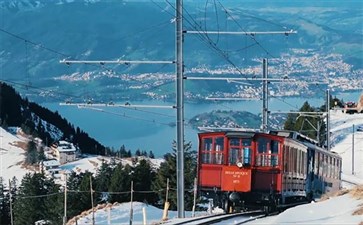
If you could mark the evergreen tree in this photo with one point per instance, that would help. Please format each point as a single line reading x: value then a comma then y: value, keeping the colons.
x: 4, y: 204
x: 41, y: 155
x: 129, y: 154
x: 167, y: 170
x: 306, y: 125
x: 120, y: 182
x: 35, y: 199
x: 32, y: 154
x: 122, y: 152
x: 79, y: 196
x: 142, y: 176
x: 151, y: 155
x: 103, y: 179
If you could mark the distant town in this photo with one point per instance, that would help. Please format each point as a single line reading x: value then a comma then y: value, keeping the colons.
x: 305, y: 73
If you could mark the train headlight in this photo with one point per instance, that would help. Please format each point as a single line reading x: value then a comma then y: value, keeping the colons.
x: 239, y: 164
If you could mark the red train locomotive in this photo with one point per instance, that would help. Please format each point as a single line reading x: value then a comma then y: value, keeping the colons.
x: 265, y: 170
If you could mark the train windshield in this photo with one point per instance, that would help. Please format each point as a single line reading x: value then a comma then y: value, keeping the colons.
x: 239, y: 151
x: 212, y: 150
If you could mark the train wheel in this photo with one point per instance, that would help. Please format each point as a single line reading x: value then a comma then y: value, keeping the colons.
x: 226, y: 206
x: 267, y: 209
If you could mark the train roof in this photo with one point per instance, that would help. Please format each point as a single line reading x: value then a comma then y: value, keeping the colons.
x: 295, y: 135
x: 250, y: 133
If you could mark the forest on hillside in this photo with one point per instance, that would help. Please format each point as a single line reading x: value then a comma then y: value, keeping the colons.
x: 38, y: 121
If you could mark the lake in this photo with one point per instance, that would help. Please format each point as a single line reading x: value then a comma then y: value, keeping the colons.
x: 149, y: 128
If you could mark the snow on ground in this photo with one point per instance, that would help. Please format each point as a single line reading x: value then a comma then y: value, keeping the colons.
x: 342, y: 136
x: 118, y: 214
x: 336, y: 210
x: 11, y: 156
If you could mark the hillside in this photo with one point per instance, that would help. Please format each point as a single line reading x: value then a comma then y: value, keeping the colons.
x: 326, y: 47
x: 38, y: 121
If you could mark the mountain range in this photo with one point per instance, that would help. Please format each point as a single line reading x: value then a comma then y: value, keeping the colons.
x: 37, y: 34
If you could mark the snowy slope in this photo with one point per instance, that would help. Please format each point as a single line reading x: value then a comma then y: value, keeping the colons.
x: 336, y: 210
x: 342, y: 139
x: 11, y: 156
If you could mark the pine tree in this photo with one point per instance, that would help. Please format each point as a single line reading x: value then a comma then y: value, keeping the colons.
x: 79, y: 195
x: 142, y: 176
x: 306, y: 125
x: 4, y: 204
x: 120, y: 182
x: 103, y: 178
x: 41, y: 155
x: 32, y: 155
x: 151, y: 155
x: 167, y: 170
x: 37, y: 196
x: 123, y: 152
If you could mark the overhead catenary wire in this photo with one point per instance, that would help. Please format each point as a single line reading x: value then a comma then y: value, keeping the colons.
x: 204, y: 38
x: 124, y: 115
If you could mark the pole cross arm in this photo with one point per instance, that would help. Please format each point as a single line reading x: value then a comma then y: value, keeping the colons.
x: 126, y: 105
x: 234, y: 79
x: 103, y: 62
x: 252, y: 33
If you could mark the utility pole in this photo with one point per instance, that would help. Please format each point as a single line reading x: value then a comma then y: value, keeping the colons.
x: 328, y: 119
x: 264, y: 127
x: 131, y: 205
x: 93, y: 211
x: 11, y: 204
x: 180, y: 108
x: 353, y: 151
x: 65, y: 200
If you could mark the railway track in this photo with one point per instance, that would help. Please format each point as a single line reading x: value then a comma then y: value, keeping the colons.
x: 242, y: 217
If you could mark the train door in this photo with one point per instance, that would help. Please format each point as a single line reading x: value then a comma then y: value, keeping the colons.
x: 267, y: 176
x: 212, y: 157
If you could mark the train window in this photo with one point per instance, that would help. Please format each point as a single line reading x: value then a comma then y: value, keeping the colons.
x: 206, y: 155
x: 286, y: 158
x: 240, y: 151
x: 246, y: 142
x: 212, y: 151
x: 262, y: 145
x: 334, y: 168
x: 246, y: 156
x: 234, y: 142
x: 267, y: 154
x: 207, y: 144
x: 316, y: 164
x: 274, y: 147
x: 274, y: 151
x: 219, y: 144
x: 233, y: 156
x: 219, y: 147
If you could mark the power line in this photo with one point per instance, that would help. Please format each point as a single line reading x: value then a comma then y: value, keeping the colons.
x: 33, y: 43
x: 251, y: 36
x: 204, y: 38
x: 38, y: 196
x: 126, y: 116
